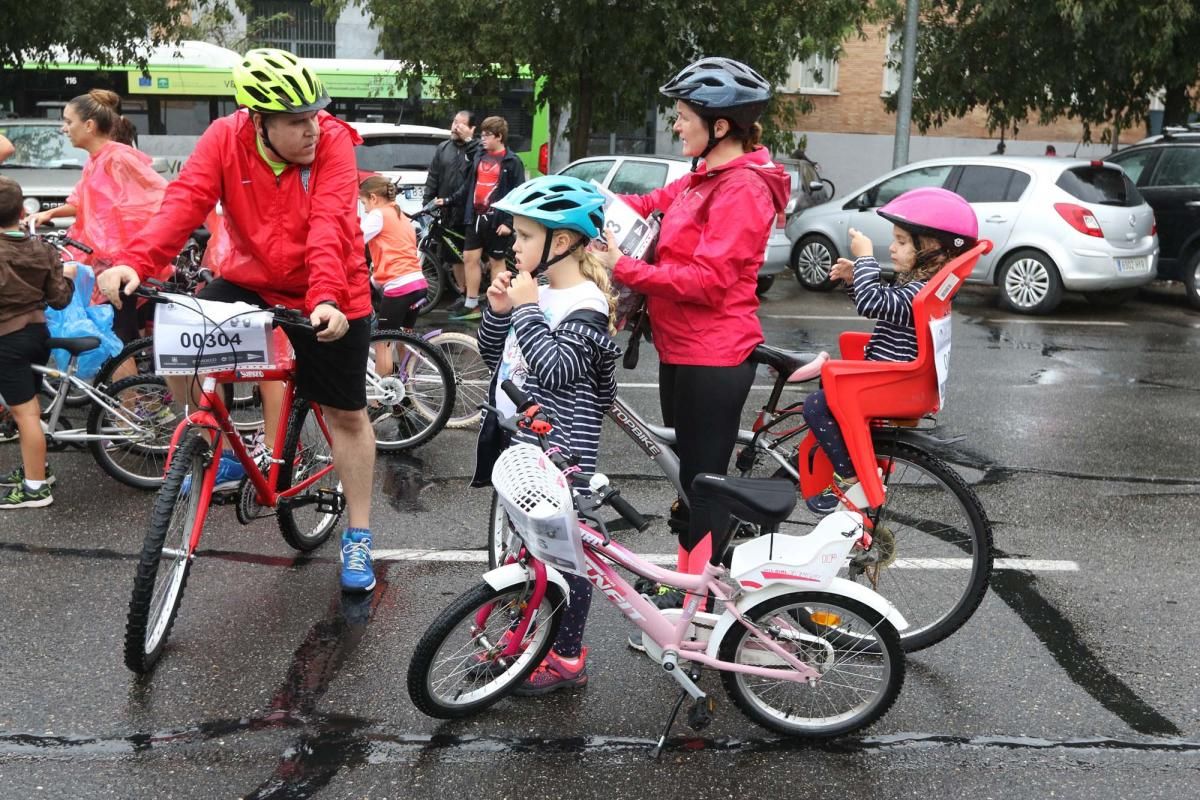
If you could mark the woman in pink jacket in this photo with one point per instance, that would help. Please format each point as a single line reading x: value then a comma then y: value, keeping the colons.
x: 701, y: 289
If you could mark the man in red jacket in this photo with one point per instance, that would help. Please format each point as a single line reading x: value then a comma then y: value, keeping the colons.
x: 284, y: 172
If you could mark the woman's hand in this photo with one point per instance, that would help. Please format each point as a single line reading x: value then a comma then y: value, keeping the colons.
x: 524, y: 289
x: 497, y: 293
x: 843, y: 270
x: 118, y: 282
x: 860, y: 245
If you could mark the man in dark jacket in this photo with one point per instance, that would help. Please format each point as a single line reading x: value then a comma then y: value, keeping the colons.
x: 495, y: 172
x: 447, y: 173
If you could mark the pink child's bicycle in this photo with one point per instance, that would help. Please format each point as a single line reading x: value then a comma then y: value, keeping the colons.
x: 800, y: 650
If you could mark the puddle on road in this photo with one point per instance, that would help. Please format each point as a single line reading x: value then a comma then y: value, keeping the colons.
x: 404, y: 480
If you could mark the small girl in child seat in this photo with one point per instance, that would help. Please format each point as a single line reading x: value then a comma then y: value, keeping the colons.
x: 931, y: 227
x: 555, y: 342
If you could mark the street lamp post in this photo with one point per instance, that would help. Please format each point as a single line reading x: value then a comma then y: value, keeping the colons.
x: 904, y: 101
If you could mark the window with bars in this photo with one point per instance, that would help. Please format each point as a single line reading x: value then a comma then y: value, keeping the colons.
x: 293, y: 25
x: 816, y: 74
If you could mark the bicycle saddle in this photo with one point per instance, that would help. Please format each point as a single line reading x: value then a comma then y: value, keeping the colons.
x: 759, y: 501
x: 75, y: 345
x: 797, y: 366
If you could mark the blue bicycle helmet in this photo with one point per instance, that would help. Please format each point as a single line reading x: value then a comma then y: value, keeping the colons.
x: 720, y: 88
x: 558, y: 201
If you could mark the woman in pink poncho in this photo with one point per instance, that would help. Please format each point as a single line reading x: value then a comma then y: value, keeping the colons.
x: 117, y: 194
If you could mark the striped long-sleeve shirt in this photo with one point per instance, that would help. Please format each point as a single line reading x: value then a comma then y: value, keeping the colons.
x: 893, y: 338
x: 572, y: 373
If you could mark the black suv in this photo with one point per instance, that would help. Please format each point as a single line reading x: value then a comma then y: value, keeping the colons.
x: 1166, y: 170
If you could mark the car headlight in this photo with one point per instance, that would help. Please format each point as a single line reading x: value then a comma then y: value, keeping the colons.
x: 790, y: 208
x: 32, y: 205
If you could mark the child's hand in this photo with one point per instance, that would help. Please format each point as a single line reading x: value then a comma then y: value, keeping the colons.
x: 860, y: 245
x: 70, y: 268
x: 843, y: 270
x: 613, y: 254
x: 497, y: 293
x: 524, y: 289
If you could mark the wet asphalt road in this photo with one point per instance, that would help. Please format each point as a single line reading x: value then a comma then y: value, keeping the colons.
x: 1081, y: 443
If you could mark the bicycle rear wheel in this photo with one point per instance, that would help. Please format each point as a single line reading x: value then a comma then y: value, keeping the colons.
x: 456, y: 669
x: 933, y: 540
x: 471, y: 376
x: 166, y: 559
x: 140, y: 422
x: 433, y: 283
x: 410, y: 390
x: 305, y: 525
x: 855, y: 650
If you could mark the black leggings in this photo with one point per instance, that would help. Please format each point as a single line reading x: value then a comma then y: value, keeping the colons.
x: 704, y: 406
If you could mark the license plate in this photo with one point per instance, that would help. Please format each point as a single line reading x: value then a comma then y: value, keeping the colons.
x: 1132, y: 266
x: 415, y: 192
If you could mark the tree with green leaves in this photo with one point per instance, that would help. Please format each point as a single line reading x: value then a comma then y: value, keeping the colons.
x: 604, y: 59
x: 1097, y: 61
x: 103, y: 31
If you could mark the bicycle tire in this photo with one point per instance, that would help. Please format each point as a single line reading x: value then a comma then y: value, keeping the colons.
x: 433, y: 283
x: 923, y: 575
x: 491, y: 680
x: 149, y: 623
x: 141, y: 350
x: 139, y: 463
x: 305, y: 446
x: 497, y: 526
x: 416, y: 399
x: 826, y: 707
x: 472, y: 376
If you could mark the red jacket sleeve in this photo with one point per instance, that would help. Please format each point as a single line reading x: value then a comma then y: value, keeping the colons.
x: 332, y: 222
x: 186, y: 202
x: 731, y: 237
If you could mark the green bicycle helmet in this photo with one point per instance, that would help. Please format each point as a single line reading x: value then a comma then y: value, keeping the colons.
x: 273, y: 81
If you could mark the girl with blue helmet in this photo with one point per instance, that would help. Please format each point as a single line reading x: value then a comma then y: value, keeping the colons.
x: 555, y: 342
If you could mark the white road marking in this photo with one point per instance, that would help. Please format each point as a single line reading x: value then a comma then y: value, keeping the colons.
x: 1016, y: 321
x: 480, y: 556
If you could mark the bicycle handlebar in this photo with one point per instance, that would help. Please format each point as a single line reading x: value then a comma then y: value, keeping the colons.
x: 536, y: 420
x: 281, y: 316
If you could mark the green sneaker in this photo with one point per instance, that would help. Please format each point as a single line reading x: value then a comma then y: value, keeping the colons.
x: 460, y: 313
x: 24, y: 497
x: 17, y: 478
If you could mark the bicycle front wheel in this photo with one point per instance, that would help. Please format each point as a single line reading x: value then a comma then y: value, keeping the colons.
x: 471, y: 376
x: 304, y: 521
x: 854, y: 650
x: 137, y: 422
x: 166, y: 559
x: 410, y: 390
x: 456, y: 669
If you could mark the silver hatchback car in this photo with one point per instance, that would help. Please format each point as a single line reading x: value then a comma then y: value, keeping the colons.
x: 1055, y: 224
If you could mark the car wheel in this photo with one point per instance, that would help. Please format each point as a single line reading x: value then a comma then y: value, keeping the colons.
x: 1030, y: 283
x: 812, y: 259
x: 765, y: 282
x: 1191, y: 279
x: 1110, y: 299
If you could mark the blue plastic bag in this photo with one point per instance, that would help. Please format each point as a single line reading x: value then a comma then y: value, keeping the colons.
x: 80, y: 318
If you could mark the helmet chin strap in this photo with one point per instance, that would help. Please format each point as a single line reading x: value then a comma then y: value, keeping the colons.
x: 713, y: 141
x: 266, y: 139
x: 546, y: 261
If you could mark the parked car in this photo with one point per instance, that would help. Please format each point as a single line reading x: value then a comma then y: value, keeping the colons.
x: 400, y: 153
x: 1166, y: 170
x: 808, y: 187
x: 642, y: 174
x: 1055, y: 224
x: 46, y: 164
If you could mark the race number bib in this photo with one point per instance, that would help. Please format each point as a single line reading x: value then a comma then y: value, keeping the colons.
x: 198, y: 336
x: 940, y: 330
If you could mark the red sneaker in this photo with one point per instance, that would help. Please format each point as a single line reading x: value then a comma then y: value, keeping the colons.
x: 555, y: 673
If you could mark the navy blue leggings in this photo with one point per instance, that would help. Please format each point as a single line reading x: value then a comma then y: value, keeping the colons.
x: 825, y: 428
x: 569, y: 642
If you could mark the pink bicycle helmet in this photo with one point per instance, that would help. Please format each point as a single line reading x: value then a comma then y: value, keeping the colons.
x: 934, y: 212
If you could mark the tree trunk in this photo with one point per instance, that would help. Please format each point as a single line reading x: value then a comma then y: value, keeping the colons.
x: 581, y: 125
x: 1177, y: 105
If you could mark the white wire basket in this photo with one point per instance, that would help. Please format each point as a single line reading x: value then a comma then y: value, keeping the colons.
x: 537, y: 498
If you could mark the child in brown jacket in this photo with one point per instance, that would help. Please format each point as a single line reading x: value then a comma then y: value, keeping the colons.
x: 31, y: 276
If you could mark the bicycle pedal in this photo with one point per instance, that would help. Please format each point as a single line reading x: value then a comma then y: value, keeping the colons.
x: 700, y: 715
x: 330, y: 501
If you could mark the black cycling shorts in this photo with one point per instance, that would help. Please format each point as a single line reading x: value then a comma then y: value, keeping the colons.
x: 18, y: 351
x: 334, y: 373
x: 481, y: 235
